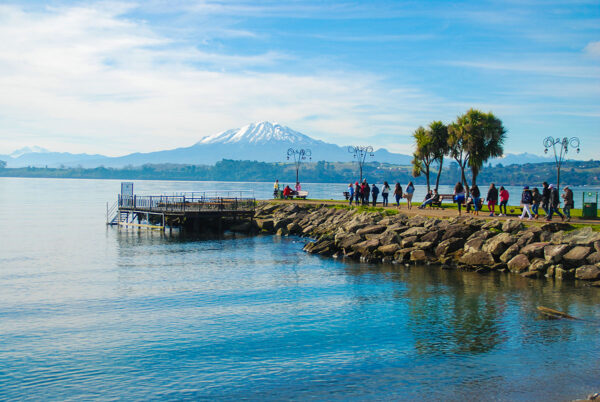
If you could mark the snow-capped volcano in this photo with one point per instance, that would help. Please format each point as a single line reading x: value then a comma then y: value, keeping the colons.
x: 259, y: 133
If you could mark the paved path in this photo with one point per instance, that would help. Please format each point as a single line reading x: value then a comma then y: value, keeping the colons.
x: 444, y: 212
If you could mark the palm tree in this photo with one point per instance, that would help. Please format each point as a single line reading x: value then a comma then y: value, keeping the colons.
x: 424, y: 154
x: 439, y: 134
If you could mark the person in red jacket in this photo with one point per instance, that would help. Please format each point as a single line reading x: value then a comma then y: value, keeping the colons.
x: 503, y: 200
x: 287, y: 191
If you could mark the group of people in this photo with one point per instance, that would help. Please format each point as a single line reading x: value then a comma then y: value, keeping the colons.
x: 531, y: 200
x: 287, y: 190
x: 361, y: 193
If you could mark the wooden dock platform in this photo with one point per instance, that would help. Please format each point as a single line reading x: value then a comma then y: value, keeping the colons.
x: 191, y: 210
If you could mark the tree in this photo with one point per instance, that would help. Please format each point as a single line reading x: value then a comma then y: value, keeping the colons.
x: 2, y: 164
x: 473, y: 139
x: 424, y: 154
x: 439, y: 134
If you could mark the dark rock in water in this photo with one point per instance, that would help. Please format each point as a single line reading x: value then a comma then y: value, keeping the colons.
x: 539, y: 265
x: 593, y: 258
x: 576, y: 256
x: 373, y: 229
x: 563, y: 274
x: 531, y: 274
x: 418, y: 256
x: 265, y: 224
x: 483, y: 270
x: 498, y: 244
x: 509, y: 253
x: 347, y: 240
x: 595, y: 284
x: 518, y: 263
x: 550, y: 271
x: 281, y: 223
x: 511, y: 225
x: 294, y: 228
x: 403, y: 254
x: 324, y: 247
x: 389, y: 249
x: 554, y: 252
x: 478, y: 258
x: 449, y: 246
x: 588, y: 273
x: 366, y: 246
x: 534, y: 250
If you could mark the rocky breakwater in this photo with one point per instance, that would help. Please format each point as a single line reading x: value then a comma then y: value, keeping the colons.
x: 553, y: 250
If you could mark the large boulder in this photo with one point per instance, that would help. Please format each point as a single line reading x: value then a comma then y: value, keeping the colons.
x: 346, y: 241
x: 265, y: 224
x: 597, y: 246
x: 294, y: 228
x: 527, y: 237
x: 588, y: 273
x: 518, y: 263
x: 418, y: 256
x: 414, y: 231
x: 388, y: 249
x: 449, y: 246
x: 555, y: 226
x: 366, y: 246
x: 563, y: 273
x: 498, y: 244
x: 576, y: 256
x: 458, y: 230
x: 433, y: 236
x: 554, y: 252
x: 403, y: 254
x: 417, y: 220
x: 478, y: 258
x: 534, y: 250
x: 474, y: 244
x: 579, y: 237
x: 509, y: 253
x: 511, y: 226
x: 481, y: 234
x: 281, y: 223
x: 408, y: 241
x: 593, y: 258
x: 372, y: 229
x: 539, y: 265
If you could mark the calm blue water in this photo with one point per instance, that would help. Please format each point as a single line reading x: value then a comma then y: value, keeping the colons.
x: 90, y: 312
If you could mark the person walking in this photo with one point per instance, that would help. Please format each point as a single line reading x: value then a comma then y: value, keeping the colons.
x: 374, y: 193
x: 363, y: 190
x: 350, y: 193
x: 526, y: 200
x: 459, y: 195
x: 546, y: 198
x: 398, y: 194
x: 492, y: 198
x: 408, y: 193
x: 385, y: 192
x: 567, y: 195
x: 554, y: 203
x: 356, y: 193
x: 476, y: 196
x: 535, y: 205
x: 503, y: 200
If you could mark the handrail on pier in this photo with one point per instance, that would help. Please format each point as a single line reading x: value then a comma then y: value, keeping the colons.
x: 185, y: 203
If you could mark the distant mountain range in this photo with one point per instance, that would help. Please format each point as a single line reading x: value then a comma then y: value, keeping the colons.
x: 264, y: 142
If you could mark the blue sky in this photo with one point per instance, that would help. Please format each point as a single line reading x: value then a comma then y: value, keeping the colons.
x: 119, y: 77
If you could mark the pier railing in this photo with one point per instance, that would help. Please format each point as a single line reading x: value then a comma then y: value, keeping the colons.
x: 186, y: 203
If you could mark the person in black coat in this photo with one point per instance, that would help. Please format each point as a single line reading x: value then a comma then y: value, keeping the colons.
x: 492, y: 198
x: 546, y: 198
x: 374, y: 193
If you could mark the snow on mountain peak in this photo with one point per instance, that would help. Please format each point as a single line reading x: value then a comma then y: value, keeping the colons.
x: 28, y: 150
x: 258, y: 133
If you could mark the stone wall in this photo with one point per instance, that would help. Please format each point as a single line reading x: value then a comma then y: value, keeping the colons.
x: 553, y: 250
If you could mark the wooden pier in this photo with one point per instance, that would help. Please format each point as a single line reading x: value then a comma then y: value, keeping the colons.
x: 191, y: 211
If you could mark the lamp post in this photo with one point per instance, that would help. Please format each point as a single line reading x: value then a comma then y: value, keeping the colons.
x: 560, y: 154
x: 360, y: 154
x: 298, y: 156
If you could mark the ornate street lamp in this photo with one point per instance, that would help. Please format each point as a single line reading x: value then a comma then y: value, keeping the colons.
x: 560, y: 154
x: 298, y: 156
x: 360, y: 154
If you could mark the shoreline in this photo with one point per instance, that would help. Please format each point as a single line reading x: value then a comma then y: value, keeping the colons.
x: 554, y: 250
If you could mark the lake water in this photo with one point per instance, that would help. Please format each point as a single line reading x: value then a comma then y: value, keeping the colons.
x: 95, y: 312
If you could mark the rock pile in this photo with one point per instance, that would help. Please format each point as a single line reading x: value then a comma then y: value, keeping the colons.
x: 554, y: 250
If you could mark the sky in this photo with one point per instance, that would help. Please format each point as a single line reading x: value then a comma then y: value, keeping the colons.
x: 114, y: 77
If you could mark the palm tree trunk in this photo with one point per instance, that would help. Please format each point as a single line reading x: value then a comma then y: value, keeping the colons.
x: 437, y: 180
x: 427, y: 177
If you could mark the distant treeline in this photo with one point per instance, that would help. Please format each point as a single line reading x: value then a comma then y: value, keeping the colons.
x: 573, y: 172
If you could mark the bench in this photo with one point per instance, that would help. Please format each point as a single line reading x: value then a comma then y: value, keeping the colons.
x: 442, y: 198
x: 300, y: 194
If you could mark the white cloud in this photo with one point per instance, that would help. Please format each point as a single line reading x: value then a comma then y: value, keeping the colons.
x: 86, y: 79
x: 593, y: 49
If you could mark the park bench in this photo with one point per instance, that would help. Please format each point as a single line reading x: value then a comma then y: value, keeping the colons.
x: 442, y: 198
x: 300, y: 194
